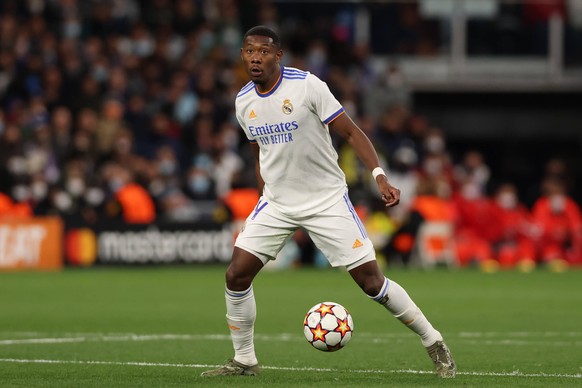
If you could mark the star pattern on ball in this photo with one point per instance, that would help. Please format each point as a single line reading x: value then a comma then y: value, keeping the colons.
x: 325, y: 309
x: 319, y: 333
x: 343, y: 327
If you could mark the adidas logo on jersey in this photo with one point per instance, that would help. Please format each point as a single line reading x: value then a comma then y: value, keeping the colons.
x: 252, y: 115
x: 357, y: 244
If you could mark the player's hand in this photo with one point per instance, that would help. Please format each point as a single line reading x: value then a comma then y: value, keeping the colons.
x: 390, y: 194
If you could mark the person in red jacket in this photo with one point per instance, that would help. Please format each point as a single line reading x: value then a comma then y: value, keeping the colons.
x: 516, y: 240
x: 560, y: 220
x: 476, y: 225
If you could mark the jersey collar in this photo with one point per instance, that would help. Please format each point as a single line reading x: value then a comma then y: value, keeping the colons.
x: 272, y: 90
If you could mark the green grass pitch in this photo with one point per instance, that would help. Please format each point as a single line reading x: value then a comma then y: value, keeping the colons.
x: 163, y: 326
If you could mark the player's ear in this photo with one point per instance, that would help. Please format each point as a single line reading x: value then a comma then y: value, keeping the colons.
x: 279, y: 56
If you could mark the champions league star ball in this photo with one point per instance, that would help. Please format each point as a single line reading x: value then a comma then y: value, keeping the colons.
x: 328, y: 326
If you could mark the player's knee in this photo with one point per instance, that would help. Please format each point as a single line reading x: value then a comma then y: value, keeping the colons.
x: 369, y: 278
x: 372, y: 285
x: 236, y: 280
x: 232, y: 278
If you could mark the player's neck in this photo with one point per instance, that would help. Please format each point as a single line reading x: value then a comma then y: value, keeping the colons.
x: 266, y: 86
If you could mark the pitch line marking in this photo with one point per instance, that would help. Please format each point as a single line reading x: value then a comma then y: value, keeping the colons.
x: 374, y: 338
x: 462, y: 334
x: 402, y: 371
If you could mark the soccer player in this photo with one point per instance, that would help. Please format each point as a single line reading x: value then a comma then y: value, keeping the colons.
x: 286, y: 114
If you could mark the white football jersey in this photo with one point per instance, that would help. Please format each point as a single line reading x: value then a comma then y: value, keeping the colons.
x: 297, y: 159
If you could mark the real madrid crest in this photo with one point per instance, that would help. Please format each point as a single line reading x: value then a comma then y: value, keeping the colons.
x: 287, y: 107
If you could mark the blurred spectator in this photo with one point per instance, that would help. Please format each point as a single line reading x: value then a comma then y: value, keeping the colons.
x: 182, y: 100
x: 82, y: 146
x: 39, y: 200
x: 188, y: 16
x: 516, y: 242
x: 61, y: 132
x: 12, y: 161
x: 553, y: 168
x: 557, y: 168
x: 129, y: 201
x: 436, y: 160
x: 432, y: 204
x: 316, y: 58
x: 404, y: 175
x: 109, y: 126
x: 472, y: 169
x: 390, y: 88
x: 137, y: 118
x: 168, y: 167
x: 164, y: 132
x: 560, y: 220
x: 175, y: 206
x: 74, y: 180
x: 123, y: 147
x: 477, y: 225
x: 200, y: 185
x: 390, y: 132
x: 89, y: 96
x: 226, y: 164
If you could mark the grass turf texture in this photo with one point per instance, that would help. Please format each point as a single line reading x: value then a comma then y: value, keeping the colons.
x: 162, y: 326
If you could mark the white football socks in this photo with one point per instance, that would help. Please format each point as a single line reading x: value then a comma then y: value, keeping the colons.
x: 241, y: 312
x: 398, y: 302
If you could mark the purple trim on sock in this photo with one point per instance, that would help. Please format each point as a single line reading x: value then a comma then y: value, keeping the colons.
x: 383, y: 291
x: 238, y: 294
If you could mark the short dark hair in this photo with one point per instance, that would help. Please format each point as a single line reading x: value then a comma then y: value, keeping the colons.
x: 264, y: 31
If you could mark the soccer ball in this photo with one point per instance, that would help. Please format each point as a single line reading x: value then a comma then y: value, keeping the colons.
x: 328, y: 326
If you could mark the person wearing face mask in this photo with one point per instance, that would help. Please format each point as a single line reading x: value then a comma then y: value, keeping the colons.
x: 560, y: 219
x: 515, y: 245
x: 40, y: 195
x: 476, y: 225
x: 199, y: 185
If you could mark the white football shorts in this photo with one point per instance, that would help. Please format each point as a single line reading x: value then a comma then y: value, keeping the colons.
x: 337, y: 232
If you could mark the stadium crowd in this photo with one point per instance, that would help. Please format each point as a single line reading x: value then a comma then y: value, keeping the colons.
x: 123, y: 111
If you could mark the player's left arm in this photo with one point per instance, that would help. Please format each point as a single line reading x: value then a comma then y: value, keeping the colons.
x: 347, y: 129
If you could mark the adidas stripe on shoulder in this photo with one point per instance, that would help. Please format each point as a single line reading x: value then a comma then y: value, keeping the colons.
x: 245, y: 89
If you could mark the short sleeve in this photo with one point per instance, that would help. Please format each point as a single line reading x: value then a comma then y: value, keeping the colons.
x: 321, y: 100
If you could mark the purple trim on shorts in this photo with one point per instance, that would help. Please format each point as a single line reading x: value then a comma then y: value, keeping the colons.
x: 355, y: 216
x: 258, y: 208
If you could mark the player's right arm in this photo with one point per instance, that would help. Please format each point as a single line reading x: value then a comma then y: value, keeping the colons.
x: 260, y: 181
